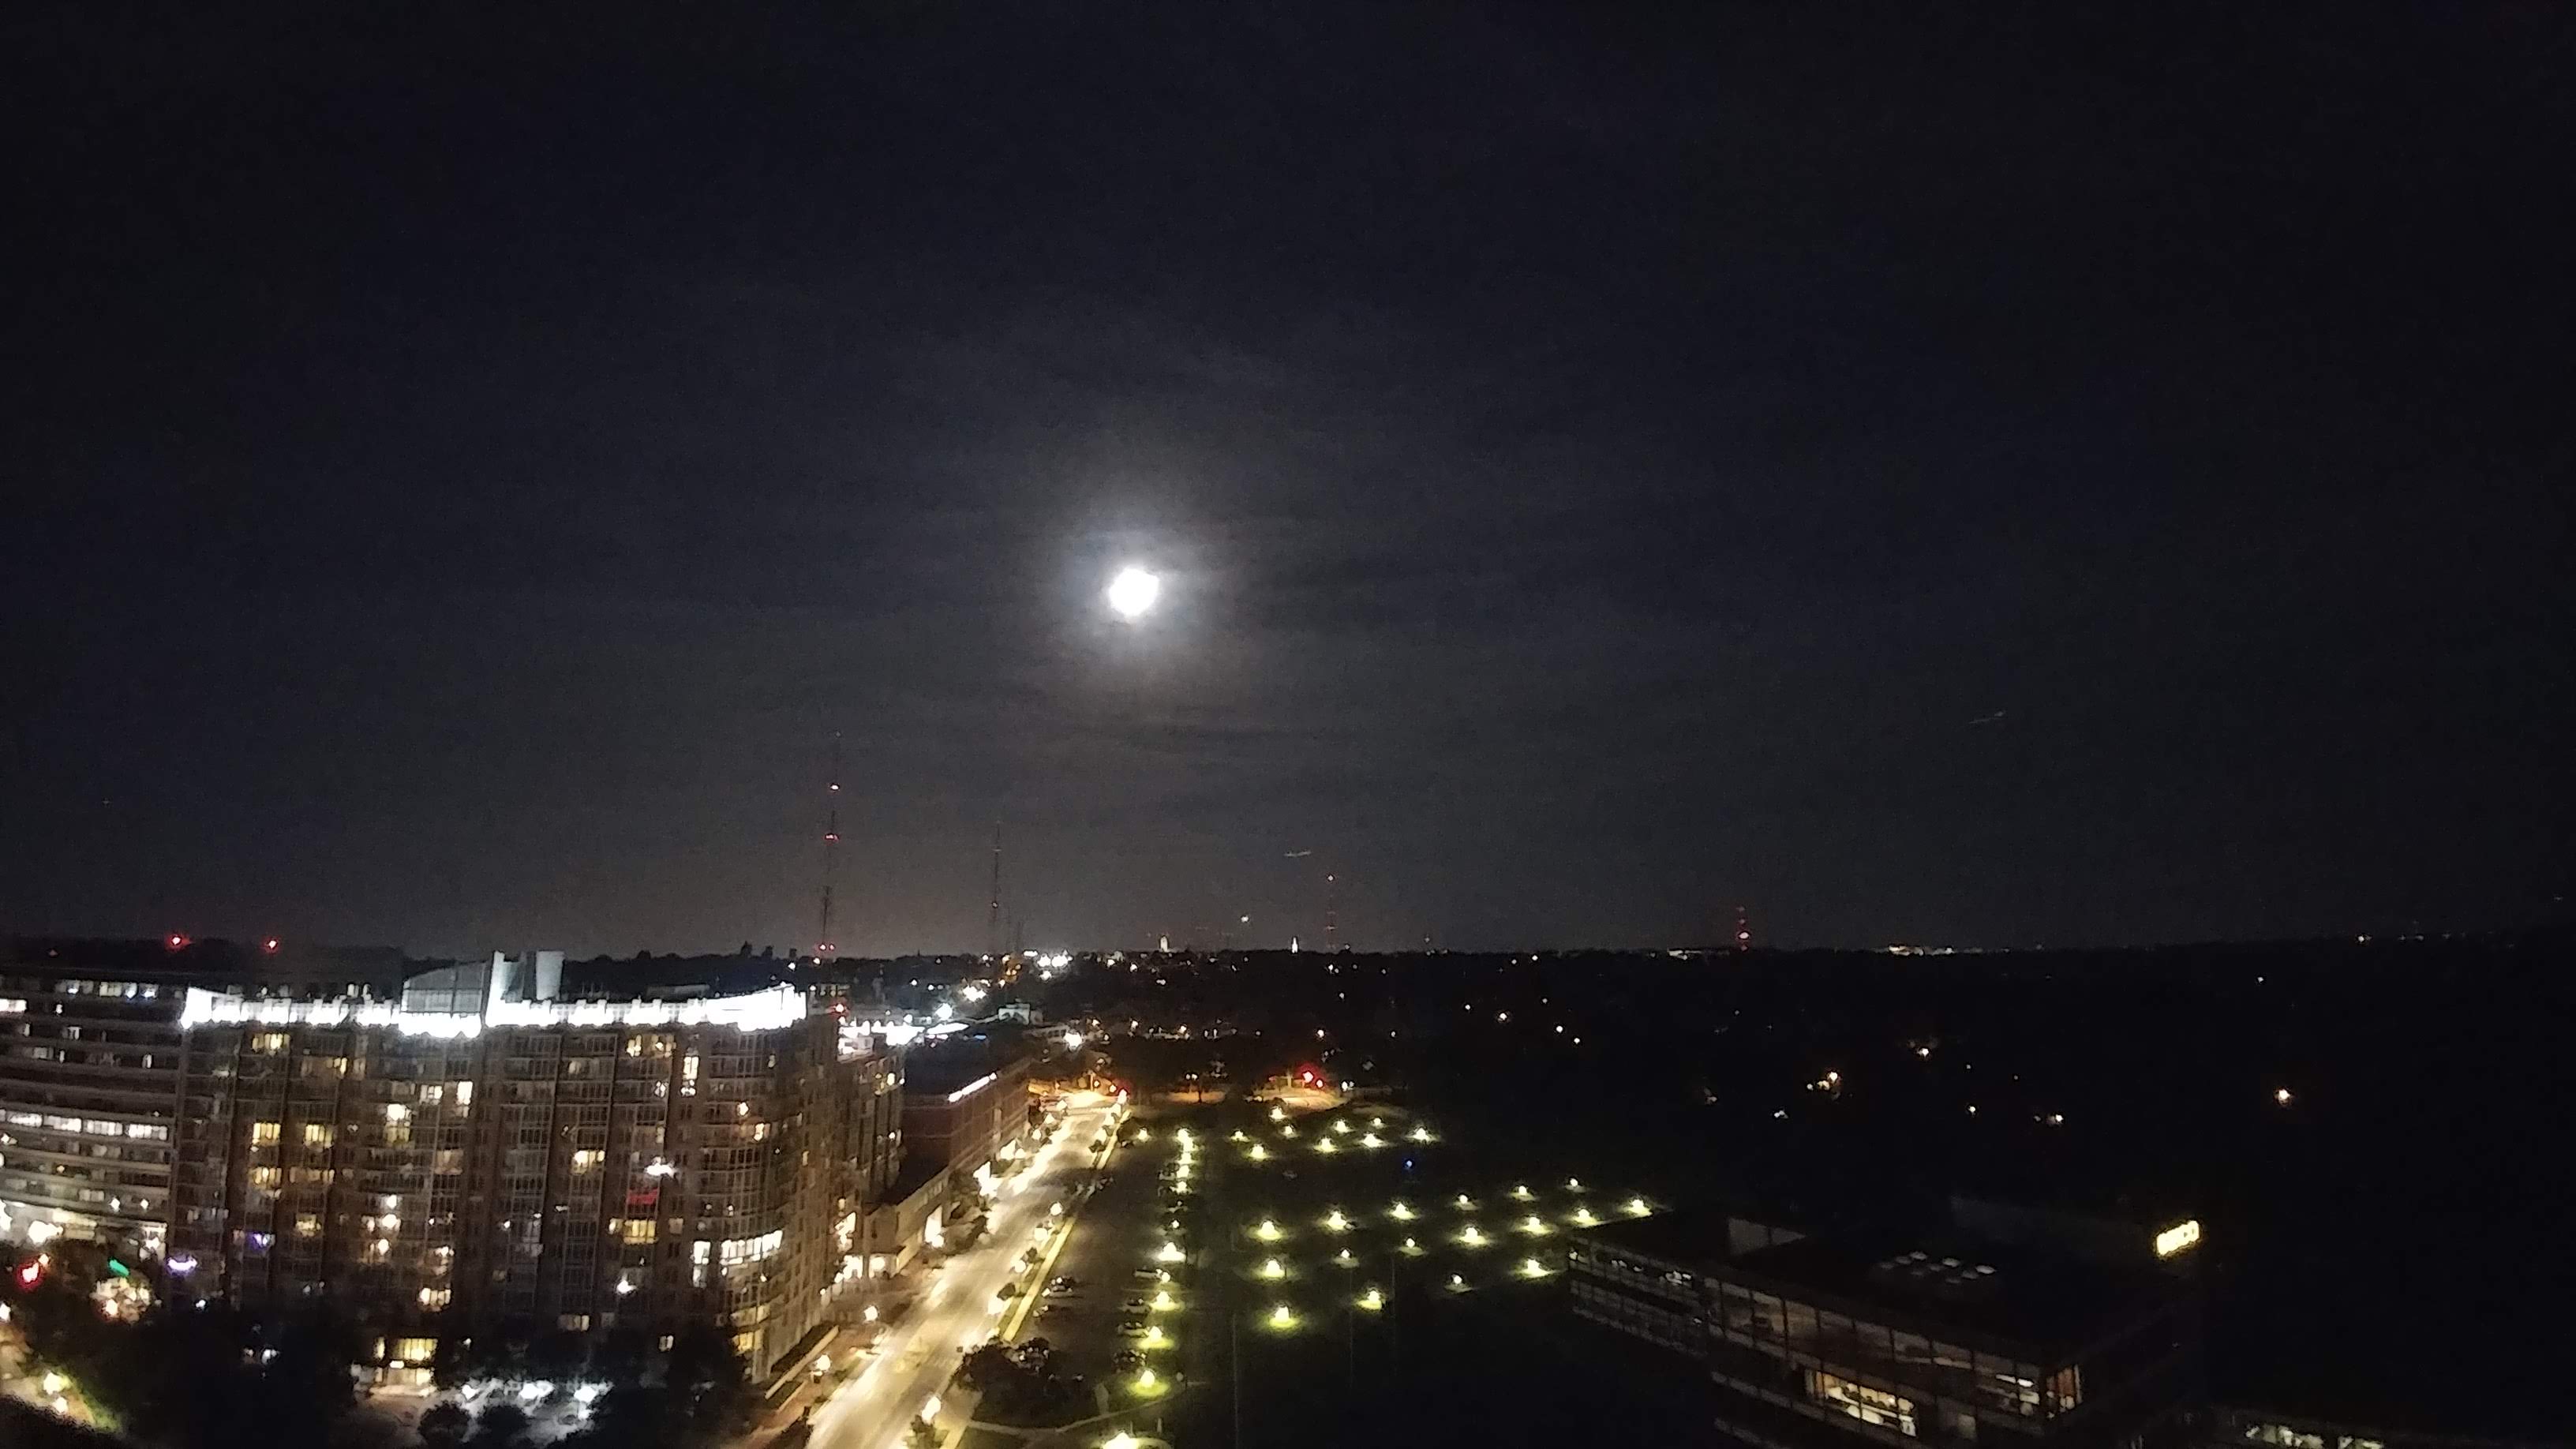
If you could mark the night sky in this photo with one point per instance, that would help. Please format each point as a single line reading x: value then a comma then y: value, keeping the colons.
x: 1987, y: 474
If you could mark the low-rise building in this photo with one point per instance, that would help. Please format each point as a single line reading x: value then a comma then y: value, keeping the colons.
x: 1813, y: 1341
x: 967, y: 1108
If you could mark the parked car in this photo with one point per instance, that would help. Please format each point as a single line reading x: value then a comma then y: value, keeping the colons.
x: 1135, y: 1305
x: 1126, y: 1358
x: 1131, y: 1328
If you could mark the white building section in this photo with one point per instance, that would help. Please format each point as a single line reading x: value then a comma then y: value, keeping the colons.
x: 764, y: 1010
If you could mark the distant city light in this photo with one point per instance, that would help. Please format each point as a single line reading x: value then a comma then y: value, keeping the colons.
x: 2180, y: 1236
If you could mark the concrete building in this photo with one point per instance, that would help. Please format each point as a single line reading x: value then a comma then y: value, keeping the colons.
x: 968, y: 1108
x: 89, y: 1069
x: 1981, y: 1330
x: 486, y: 1153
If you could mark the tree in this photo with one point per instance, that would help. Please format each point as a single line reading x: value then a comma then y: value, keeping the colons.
x: 557, y: 1355
x: 987, y: 1367
x: 502, y: 1425
x: 710, y: 1384
x: 621, y: 1356
x: 633, y: 1416
x: 444, y: 1426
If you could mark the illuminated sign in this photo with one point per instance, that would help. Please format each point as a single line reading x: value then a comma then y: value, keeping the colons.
x: 2178, y: 1237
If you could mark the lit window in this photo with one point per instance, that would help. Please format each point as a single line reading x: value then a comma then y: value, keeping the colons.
x: 465, y: 1094
x: 308, y: 1225
x: 263, y: 1134
x: 317, y: 1134
x: 432, y: 1095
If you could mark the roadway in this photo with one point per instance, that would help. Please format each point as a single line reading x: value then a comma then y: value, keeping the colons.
x: 915, y: 1357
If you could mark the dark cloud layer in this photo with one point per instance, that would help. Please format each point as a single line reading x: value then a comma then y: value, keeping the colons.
x: 2023, y: 473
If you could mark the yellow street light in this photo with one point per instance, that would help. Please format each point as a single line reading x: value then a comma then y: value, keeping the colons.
x: 1336, y: 1222
x: 1637, y: 1207
x: 1372, y: 1300
x: 1268, y: 1232
x: 1280, y: 1317
x: 1270, y: 1269
x: 1257, y: 1153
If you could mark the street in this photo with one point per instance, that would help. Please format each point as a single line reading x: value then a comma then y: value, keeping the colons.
x: 956, y: 1309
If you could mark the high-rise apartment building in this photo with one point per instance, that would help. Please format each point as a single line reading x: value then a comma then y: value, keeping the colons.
x: 485, y: 1153
x: 89, y: 1069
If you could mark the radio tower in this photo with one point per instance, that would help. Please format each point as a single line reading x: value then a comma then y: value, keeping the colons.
x: 1332, y: 925
x: 993, y: 920
x: 823, y: 945
x: 1743, y: 932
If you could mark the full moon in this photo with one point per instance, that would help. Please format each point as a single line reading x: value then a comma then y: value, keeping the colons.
x: 1133, y: 592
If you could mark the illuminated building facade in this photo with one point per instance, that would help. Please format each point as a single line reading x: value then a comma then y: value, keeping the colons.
x: 488, y: 1155
x: 89, y: 1070
x: 1810, y: 1342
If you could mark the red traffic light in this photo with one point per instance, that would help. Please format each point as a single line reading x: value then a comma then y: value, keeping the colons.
x: 29, y: 1273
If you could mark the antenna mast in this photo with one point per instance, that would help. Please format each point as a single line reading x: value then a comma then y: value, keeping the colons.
x: 993, y: 920
x: 823, y: 944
